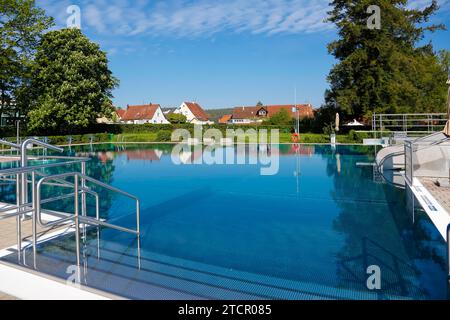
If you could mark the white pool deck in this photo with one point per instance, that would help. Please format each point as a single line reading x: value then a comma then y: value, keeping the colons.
x: 24, y: 284
x: 434, y: 201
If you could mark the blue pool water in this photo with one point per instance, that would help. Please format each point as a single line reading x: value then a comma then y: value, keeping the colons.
x: 227, y: 232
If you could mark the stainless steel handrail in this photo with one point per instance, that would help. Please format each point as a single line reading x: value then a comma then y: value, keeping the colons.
x: 76, y: 218
x: 23, y: 207
x: 24, y: 161
x: 10, y: 144
x: 29, y: 169
x: 22, y: 180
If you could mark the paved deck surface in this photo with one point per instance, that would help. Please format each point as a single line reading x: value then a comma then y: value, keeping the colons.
x: 8, y: 238
x: 4, y: 296
x: 8, y: 234
x: 441, y: 194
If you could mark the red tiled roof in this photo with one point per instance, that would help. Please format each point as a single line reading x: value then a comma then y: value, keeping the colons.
x: 245, y: 112
x: 198, y: 111
x: 225, y: 118
x: 143, y: 112
x: 306, y: 110
x: 120, y: 112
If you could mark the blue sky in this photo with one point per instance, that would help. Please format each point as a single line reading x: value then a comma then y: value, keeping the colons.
x: 219, y: 53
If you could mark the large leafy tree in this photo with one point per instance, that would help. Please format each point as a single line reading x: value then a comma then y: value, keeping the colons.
x: 384, y: 70
x: 72, y: 83
x: 280, y: 118
x: 21, y: 27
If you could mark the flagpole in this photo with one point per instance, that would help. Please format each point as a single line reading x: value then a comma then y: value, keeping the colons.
x: 298, y: 112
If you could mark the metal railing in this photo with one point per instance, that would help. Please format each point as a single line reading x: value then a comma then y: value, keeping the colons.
x: 416, y: 123
x: 23, y: 207
x: 427, y: 157
x: 409, y: 162
x: 76, y: 218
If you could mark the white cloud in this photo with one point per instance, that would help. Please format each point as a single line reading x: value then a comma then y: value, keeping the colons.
x: 182, y: 18
x: 188, y: 18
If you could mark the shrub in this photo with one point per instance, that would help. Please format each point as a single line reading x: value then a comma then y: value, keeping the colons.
x: 176, y: 118
x: 164, y: 136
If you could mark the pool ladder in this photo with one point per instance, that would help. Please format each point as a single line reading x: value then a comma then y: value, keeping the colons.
x: 23, y: 208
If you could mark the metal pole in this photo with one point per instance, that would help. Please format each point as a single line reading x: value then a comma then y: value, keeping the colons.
x: 83, y: 186
x: 34, y: 218
x: 381, y: 124
x: 18, y: 219
x: 77, y: 221
x: 23, y: 164
x: 83, y: 198
x: 138, y: 229
x: 18, y: 131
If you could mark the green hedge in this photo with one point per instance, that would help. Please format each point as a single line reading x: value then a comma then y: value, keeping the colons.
x: 80, y: 139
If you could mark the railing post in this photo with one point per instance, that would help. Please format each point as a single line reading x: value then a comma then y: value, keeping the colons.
x: 34, y: 218
x: 412, y: 150
x: 83, y: 198
x: 83, y: 186
x: 138, y: 229
x: 77, y: 221
x: 19, y: 218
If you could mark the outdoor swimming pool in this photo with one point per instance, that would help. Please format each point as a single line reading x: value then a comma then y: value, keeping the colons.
x: 227, y: 232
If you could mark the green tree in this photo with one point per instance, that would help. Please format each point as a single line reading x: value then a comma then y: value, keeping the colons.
x: 384, y: 70
x: 21, y: 27
x: 177, y: 118
x: 444, y: 61
x: 72, y: 83
x: 280, y: 118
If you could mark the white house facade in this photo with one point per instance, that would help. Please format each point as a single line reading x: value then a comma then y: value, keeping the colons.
x: 194, y: 113
x: 142, y: 114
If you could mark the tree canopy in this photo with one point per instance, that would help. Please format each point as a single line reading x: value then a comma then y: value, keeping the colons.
x: 384, y: 70
x: 72, y: 84
x: 21, y: 27
x: 280, y: 118
x: 176, y: 118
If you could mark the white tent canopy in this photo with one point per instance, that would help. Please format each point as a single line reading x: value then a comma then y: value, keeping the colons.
x: 354, y: 124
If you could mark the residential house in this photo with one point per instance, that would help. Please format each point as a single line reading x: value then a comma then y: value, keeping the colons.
x: 116, y: 117
x: 151, y: 113
x: 225, y: 119
x: 257, y: 114
x: 120, y: 113
x: 194, y: 113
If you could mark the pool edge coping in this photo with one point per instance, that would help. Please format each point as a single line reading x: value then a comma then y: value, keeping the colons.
x: 26, y: 284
